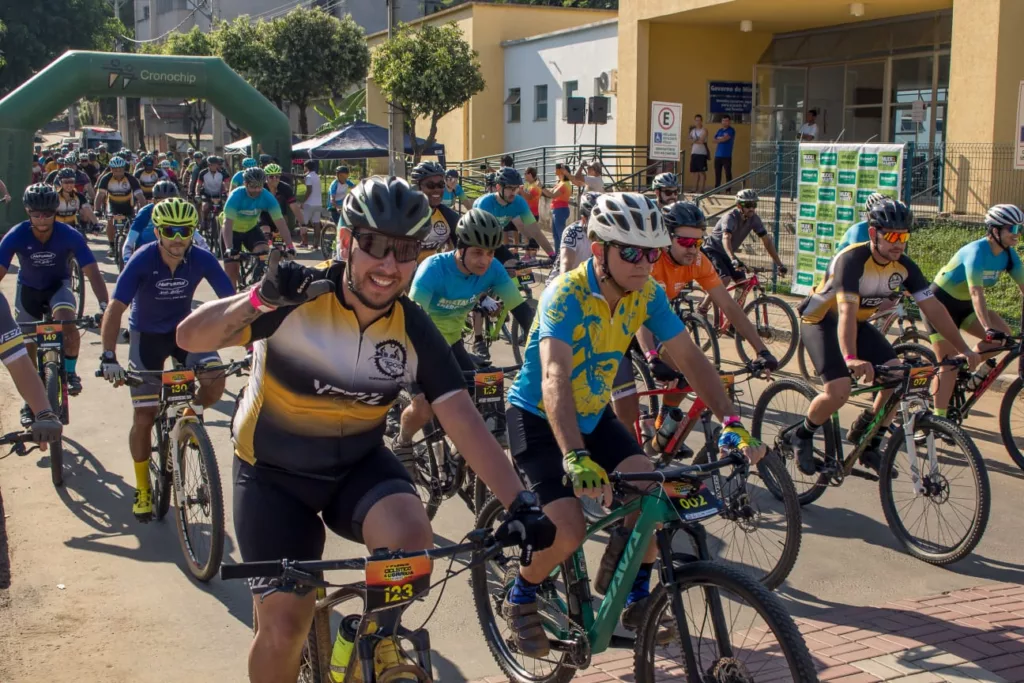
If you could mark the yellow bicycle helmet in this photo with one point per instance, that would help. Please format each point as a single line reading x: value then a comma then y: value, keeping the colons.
x: 272, y: 169
x: 174, y: 212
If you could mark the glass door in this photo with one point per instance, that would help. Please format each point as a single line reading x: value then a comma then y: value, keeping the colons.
x: 780, y: 98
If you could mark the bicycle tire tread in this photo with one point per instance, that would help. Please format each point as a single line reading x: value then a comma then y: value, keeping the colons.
x: 209, y: 457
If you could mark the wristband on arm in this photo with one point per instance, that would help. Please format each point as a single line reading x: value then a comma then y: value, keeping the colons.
x: 256, y: 302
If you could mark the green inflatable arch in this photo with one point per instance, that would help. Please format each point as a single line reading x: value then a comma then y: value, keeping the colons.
x: 109, y: 74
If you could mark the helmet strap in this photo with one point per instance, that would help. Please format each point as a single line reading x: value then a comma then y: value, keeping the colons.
x: 606, y: 273
x: 996, y: 234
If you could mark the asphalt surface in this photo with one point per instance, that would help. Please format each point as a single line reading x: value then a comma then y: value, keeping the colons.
x: 96, y: 596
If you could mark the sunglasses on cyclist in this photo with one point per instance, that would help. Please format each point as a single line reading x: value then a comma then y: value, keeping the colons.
x: 432, y: 185
x: 1013, y: 229
x: 254, y: 186
x: 689, y: 242
x: 670, y: 193
x: 378, y: 246
x: 895, y: 237
x: 176, y: 232
x: 748, y: 205
x: 41, y: 214
x: 634, y: 255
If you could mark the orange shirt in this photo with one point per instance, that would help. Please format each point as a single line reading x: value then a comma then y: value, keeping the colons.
x: 532, y: 192
x: 562, y: 192
x: 674, y: 277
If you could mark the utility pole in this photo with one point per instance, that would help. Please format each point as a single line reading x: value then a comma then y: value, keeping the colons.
x: 122, y: 104
x: 216, y: 124
x: 396, y: 124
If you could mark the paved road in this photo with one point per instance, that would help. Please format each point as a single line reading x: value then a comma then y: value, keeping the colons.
x: 96, y: 596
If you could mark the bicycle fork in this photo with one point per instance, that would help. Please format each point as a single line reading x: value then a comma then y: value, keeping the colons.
x: 175, y: 469
x: 914, y: 408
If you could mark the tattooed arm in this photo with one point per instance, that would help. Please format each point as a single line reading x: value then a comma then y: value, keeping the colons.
x: 218, y: 324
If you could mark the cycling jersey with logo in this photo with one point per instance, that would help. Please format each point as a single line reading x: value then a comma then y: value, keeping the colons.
x: 855, y: 234
x: 212, y: 183
x: 975, y: 265
x: 320, y: 387
x: 447, y: 295
x: 517, y: 208
x: 81, y: 179
x: 119, y: 192
x: 68, y: 208
x: 733, y: 223
x: 147, y: 179
x: 245, y: 210
x: 237, y: 180
x: 44, y: 264
x: 674, y: 277
x: 574, y: 240
x: 855, y: 276
x: 442, y: 228
x: 161, y: 299
x: 573, y: 310
x: 12, y: 344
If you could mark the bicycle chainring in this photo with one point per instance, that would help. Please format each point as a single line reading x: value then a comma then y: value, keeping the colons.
x: 728, y: 670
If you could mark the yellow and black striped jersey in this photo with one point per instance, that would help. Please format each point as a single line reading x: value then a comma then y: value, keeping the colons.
x: 119, y: 192
x: 320, y: 387
x: 855, y: 276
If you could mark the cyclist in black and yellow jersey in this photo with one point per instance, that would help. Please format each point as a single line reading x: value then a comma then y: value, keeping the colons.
x: 118, y: 192
x: 332, y: 347
x: 148, y: 175
x: 428, y: 178
x: 72, y: 202
x: 839, y: 339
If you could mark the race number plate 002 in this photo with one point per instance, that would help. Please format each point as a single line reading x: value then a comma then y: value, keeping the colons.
x: 490, y: 387
x: 525, y: 276
x: 50, y: 336
x: 692, y: 504
x: 178, y: 386
x: 390, y: 583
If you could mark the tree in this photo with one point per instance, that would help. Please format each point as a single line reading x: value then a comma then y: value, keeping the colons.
x: 582, y: 4
x: 427, y: 73
x: 351, y: 109
x: 39, y: 32
x: 195, y: 43
x: 313, y: 56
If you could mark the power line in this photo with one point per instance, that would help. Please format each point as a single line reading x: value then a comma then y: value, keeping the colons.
x: 164, y: 35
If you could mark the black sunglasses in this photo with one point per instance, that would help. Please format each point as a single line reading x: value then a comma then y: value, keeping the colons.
x: 378, y: 246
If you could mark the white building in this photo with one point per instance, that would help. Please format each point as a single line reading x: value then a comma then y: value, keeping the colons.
x: 542, y: 71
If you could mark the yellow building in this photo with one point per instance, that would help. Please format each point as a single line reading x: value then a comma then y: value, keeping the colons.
x: 476, y: 129
x: 861, y: 65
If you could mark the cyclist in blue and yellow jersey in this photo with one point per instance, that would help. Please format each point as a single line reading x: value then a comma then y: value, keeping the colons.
x: 840, y: 341
x: 143, y: 230
x: 332, y: 348
x: 44, y: 246
x: 448, y: 286
x: 236, y: 180
x: 858, y: 232
x: 340, y: 187
x: 506, y: 204
x: 960, y: 287
x: 563, y: 434
x: 242, y: 221
x: 159, y: 283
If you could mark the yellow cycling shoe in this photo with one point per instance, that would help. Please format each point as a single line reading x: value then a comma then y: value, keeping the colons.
x: 387, y: 657
x: 143, y: 506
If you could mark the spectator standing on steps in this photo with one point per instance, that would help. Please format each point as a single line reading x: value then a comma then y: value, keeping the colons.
x: 699, y: 153
x: 809, y: 131
x: 559, y: 195
x: 724, y: 139
x: 593, y: 181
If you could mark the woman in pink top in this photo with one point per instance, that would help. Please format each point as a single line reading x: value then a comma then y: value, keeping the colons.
x: 559, y: 195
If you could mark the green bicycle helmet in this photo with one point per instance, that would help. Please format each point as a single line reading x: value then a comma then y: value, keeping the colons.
x: 272, y: 169
x: 477, y: 228
x: 175, y: 212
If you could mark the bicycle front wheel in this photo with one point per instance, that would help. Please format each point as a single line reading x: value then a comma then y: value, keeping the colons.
x: 160, y: 473
x: 776, y: 325
x: 199, y: 502
x: 328, y: 232
x: 1011, y: 422
x: 735, y: 631
x: 943, y: 522
x: 77, y: 284
x: 55, y: 394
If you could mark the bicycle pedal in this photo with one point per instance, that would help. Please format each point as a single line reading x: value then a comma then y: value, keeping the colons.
x: 863, y: 474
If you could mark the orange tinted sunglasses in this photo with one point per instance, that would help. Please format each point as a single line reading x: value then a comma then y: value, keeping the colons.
x: 896, y: 237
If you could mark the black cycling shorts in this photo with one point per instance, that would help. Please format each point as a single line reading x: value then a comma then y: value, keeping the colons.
x: 539, y: 457
x: 722, y: 263
x: 250, y: 239
x: 822, y: 343
x: 962, y: 312
x: 281, y: 514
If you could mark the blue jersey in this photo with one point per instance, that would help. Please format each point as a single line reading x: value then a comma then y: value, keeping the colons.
x: 451, y: 199
x: 142, y: 231
x: 44, y: 264
x: 855, y: 234
x: 573, y: 310
x: 447, y: 295
x: 245, y: 211
x: 161, y: 299
x: 974, y: 265
x: 238, y: 180
x: 517, y: 208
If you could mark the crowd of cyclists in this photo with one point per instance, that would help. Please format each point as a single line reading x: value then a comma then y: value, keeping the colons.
x: 333, y: 345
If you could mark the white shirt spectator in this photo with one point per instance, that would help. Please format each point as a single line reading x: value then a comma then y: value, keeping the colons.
x: 699, y: 137
x: 594, y: 183
x: 810, y: 129
x: 312, y: 179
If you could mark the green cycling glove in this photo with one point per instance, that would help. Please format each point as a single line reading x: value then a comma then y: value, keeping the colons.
x: 581, y: 472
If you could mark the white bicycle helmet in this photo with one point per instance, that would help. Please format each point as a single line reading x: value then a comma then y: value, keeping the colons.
x: 1004, y: 216
x: 627, y: 218
x: 873, y: 199
x: 746, y: 195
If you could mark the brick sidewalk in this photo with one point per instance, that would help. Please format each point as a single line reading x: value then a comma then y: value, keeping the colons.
x: 963, y: 636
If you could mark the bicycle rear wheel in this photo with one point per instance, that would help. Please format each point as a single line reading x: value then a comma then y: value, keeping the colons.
x: 703, y: 335
x: 805, y: 366
x: 55, y: 395
x: 200, y: 516
x: 782, y: 406
x: 518, y: 336
x: 943, y: 524
x: 328, y: 240
x: 1011, y: 422
x: 717, y: 604
x: 77, y: 284
x: 776, y: 325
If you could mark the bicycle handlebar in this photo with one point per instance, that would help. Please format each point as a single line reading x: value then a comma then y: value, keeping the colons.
x: 16, y: 438
x: 136, y: 378
x: 681, y: 472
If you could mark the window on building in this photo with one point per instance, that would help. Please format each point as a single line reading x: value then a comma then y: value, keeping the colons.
x: 512, y: 102
x: 540, y: 103
x: 145, y: 13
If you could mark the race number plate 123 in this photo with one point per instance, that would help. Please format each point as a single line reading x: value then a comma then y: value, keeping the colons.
x: 390, y: 583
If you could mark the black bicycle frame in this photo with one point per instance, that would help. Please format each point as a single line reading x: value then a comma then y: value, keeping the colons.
x: 962, y: 404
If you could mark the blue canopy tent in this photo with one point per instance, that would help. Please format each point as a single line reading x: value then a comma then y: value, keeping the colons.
x: 360, y: 140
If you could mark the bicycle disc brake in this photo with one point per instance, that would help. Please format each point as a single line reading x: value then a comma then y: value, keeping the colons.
x: 728, y: 670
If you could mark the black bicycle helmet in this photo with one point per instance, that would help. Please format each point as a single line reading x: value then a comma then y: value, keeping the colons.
x: 164, y: 190
x: 148, y: 160
x: 265, y: 159
x: 254, y: 175
x: 67, y: 173
x: 683, y: 214
x: 891, y: 215
x: 509, y: 177
x: 663, y: 180
x: 424, y: 170
x: 489, y: 179
x: 477, y: 228
x: 587, y: 202
x: 40, y: 197
x: 451, y: 173
x: 389, y: 206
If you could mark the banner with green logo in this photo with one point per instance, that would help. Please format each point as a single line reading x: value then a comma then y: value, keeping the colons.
x: 835, y: 181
